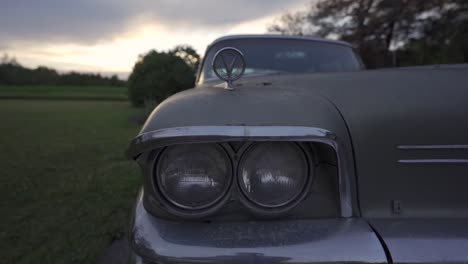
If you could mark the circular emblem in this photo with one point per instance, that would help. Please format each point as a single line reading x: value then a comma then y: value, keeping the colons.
x: 229, y: 64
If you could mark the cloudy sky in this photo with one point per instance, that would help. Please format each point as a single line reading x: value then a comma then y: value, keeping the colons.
x: 108, y: 35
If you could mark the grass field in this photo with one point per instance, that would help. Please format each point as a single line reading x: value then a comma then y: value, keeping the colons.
x: 66, y: 188
x: 63, y: 92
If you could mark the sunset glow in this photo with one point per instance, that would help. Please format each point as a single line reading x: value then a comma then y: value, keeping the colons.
x: 117, y: 54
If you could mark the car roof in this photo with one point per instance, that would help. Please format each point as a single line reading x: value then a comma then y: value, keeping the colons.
x: 277, y: 36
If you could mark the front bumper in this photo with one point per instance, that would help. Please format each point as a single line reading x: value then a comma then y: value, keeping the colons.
x: 344, y: 240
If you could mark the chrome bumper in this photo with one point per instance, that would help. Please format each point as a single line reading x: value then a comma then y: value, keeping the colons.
x: 342, y: 240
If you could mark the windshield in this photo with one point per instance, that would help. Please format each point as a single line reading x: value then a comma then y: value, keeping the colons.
x: 271, y: 56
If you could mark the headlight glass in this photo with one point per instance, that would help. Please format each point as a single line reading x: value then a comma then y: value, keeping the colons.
x: 273, y: 174
x: 193, y: 176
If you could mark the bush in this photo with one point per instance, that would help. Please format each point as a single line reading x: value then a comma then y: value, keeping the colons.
x: 157, y: 75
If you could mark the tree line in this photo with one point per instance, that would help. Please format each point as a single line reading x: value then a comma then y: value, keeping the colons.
x: 12, y: 73
x: 385, y: 33
x: 388, y: 32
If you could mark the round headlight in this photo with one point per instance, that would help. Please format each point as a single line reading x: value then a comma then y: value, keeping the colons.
x: 193, y: 176
x: 273, y: 174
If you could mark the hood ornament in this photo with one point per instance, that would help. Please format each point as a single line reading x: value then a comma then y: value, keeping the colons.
x: 229, y: 65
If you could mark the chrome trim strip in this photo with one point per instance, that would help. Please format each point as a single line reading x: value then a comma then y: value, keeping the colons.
x: 198, y: 134
x: 236, y: 131
x: 432, y: 147
x: 433, y: 161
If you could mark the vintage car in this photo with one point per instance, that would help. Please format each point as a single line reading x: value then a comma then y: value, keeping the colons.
x: 288, y: 151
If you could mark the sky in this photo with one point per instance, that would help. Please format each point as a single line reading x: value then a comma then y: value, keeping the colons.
x: 108, y: 35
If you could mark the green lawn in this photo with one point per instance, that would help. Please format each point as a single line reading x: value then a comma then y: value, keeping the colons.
x: 64, y: 92
x: 66, y: 188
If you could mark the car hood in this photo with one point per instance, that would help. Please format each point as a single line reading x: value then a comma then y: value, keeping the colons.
x: 250, y: 104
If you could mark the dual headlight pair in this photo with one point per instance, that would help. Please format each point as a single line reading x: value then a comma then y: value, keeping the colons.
x: 196, y: 177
